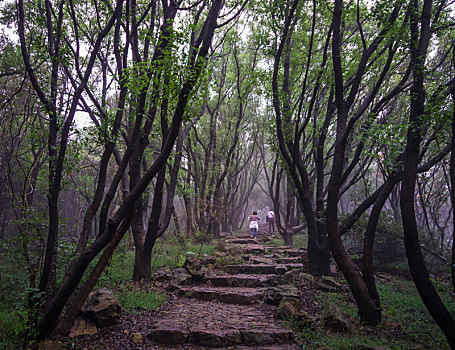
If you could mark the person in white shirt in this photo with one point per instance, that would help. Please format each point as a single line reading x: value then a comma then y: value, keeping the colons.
x: 254, y: 225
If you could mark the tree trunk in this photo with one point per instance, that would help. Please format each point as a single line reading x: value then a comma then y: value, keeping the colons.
x: 419, y: 273
x: 368, y: 243
x: 367, y: 309
x: 452, y: 182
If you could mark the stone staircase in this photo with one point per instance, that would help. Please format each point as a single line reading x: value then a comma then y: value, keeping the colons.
x: 231, y: 307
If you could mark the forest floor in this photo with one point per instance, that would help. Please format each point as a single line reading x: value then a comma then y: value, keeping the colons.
x: 235, y: 305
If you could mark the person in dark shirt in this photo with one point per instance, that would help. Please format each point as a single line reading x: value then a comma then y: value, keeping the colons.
x: 270, y: 216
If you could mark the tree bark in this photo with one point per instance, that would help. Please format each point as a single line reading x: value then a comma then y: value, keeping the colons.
x: 417, y: 267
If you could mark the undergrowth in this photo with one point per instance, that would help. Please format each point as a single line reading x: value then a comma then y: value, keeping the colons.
x: 406, y: 324
x: 138, y: 301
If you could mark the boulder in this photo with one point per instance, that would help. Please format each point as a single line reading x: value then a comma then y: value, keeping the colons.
x: 334, y: 318
x: 274, y: 295
x: 181, y: 276
x: 137, y: 338
x: 289, y: 309
x: 82, y: 327
x: 297, y: 277
x: 161, y: 276
x: 194, y: 267
x: 102, y: 307
x: 328, y: 284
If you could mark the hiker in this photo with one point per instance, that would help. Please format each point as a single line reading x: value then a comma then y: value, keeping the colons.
x: 254, y: 225
x: 270, y: 218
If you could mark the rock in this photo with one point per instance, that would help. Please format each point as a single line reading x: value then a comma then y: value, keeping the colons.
x: 221, y: 246
x: 285, y: 309
x: 161, y: 276
x: 297, y: 277
x: 102, y: 307
x: 260, y: 260
x: 168, y: 335
x: 385, y: 276
x: 295, y: 302
x: 208, y: 260
x: 336, y: 319
x: 82, y: 327
x: 240, y: 296
x: 368, y: 347
x: 333, y: 269
x: 194, y: 267
x: 328, y: 284
x: 214, y: 338
x: 280, y: 269
x: 288, y: 309
x: 137, y: 338
x: 50, y: 345
x: 220, y: 254
x: 274, y: 295
x: 306, y: 277
x: 255, y: 249
x: 180, y: 276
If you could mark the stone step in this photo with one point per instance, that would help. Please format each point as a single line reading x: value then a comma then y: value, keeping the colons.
x: 260, y: 260
x: 244, y: 280
x: 227, y: 295
x: 256, y: 249
x: 289, y: 260
x: 284, y: 251
x: 260, y: 269
x: 240, y: 240
x: 213, y: 325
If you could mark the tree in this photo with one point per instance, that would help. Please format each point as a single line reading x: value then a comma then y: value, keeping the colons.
x: 421, y: 32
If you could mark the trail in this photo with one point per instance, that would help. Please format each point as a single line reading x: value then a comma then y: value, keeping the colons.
x: 233, y: 306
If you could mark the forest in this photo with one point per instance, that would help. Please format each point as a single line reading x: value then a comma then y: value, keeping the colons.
x: 139, y: 137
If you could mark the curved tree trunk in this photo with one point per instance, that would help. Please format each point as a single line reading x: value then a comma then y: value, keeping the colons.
x: 419, y: 273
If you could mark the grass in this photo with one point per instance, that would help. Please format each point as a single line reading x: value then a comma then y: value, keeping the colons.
x: 168, y: 252
x: 138, y: 301
x: 14, y: 282
x: 299, y: 241
x: 13, y: 327
x: 13, y: 312
x: 406, y: 324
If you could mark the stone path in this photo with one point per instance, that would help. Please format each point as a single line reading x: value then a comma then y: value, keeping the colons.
x: 230, y: 306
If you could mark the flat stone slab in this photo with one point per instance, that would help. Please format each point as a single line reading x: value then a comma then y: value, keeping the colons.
x: 285, y: 251
x: 228, y: 295
x: 260, y: 269
x: 243, y: 280
x: 211, y: 325
x: 253, y: 269
x: 241, y: 241
x: 289, y: 260
x: 260, y: 260
x: 255, y: 249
